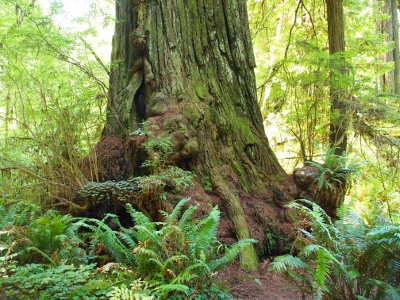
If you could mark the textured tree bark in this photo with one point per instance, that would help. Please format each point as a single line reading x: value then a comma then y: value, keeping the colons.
x: 396, y: 50
x: 390, y: 81
x: 339, y: 121
x: 187, y: 66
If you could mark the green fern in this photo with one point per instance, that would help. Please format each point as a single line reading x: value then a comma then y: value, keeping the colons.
x: 119, y: 245
x: 324, y: 230
x: 386, y: 234
x: 217, y: 264
x: 179, y: 255
x: 36, y: 237
x: 167, y: 289
x: 123, y: 293
x: 20, y: 213
x: 204, y: 233
x: 335, y: 170
x: 282, y: 263
x: 347, y: 260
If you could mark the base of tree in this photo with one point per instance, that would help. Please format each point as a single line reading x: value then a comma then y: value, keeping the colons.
x: 265, y: 216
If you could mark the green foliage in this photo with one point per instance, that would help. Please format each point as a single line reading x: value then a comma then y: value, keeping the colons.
x: 123, y: 293
x: 24, y: 230
x: 158, y: 149
x: 46, y: 230
x: 17, y: 212
x: 346, y: 261
x: 53, y: 89
x: 34, y: 281
x: 179, y: 256
x: 335, y: 171
x: 64, y: 253
x: 118, y: 244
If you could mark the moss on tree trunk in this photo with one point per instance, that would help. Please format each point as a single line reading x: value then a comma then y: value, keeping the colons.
x: 188, y: 66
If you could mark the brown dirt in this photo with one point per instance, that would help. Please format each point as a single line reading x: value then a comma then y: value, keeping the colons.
x: 259, y: 285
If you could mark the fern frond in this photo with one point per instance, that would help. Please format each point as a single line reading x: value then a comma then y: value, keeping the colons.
x: 143, y: 233
x: 148, y: 253
x: 154, y: 260
x: 174, y: 215
x: 306, y: 234
x: 386, y: 234
x: 301, y: 279
x: 205, y: 232
x: 139, y: 218
x: 109, y: 237
x: 171, y: 261
x: 126, y: 236
x: 316, y: 165
x: 324, y: 229
x: 200, y: 266
x: 185, y: 222
x: 123, y: 293
x: 230, y: 253
x: 282, y: 263
x: 323, y: 266
x: 185, y: 277
x: 320, y: 180
x: 307, y: 250
x: 386, y: 290
x: 168, y: 288
x: 51, y: 261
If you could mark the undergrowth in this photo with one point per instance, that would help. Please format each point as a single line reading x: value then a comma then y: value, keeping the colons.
x: 178, y: 258
x: 348, y: 260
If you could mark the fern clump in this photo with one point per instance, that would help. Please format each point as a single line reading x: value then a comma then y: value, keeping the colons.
x: 33, y: 236
x: 178, y: 256
x: 348, y: 260
x: 333, y: 179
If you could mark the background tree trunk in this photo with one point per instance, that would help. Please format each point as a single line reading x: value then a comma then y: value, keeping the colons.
x: 339, y: 122
x: 390, y: 81
x: 187, y: 66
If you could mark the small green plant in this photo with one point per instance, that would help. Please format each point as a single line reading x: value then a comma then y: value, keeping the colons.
x: 158, y: 148
x: 347, y: 261
x: 135, y: 293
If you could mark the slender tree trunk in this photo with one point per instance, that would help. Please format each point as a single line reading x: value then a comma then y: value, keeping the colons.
x: 339, y: 121
x: 187, y: 66
x: 390, y: 81
x: 396, y: 50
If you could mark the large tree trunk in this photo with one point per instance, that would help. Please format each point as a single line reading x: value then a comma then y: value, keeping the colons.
x: 339, y: 121
x: 187, y: 66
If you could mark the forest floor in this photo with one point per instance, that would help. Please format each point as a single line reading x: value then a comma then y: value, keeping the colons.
x: 258, y: 285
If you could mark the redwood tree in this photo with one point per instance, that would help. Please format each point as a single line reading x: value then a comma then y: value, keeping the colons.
x: 390, y: 81
x: 188, y: 67
x: 339, y: 122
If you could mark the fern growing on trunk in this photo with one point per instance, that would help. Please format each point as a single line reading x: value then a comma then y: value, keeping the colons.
x: 348, y: 260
